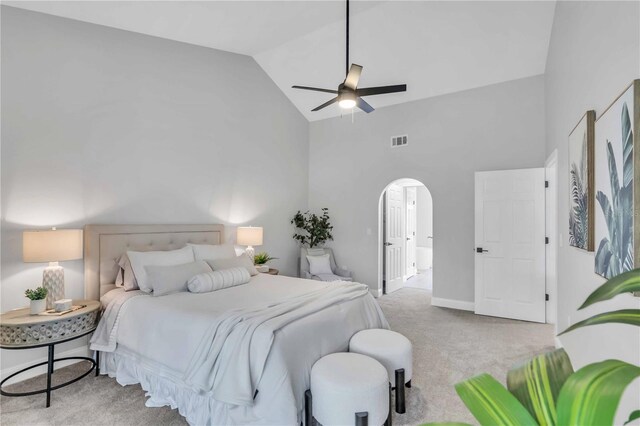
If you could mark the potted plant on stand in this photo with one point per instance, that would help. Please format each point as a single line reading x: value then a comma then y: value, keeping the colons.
x: 312, y: 230
x: 37, y: 297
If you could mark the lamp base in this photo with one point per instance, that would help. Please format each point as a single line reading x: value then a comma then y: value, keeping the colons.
x: 251, y: 253
x: 53, y: 281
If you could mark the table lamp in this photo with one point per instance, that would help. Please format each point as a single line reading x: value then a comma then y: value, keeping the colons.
x: 52, y: 246
x: 249, y: 236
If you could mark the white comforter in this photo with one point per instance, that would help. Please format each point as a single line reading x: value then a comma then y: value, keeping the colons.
x: 220, y: 348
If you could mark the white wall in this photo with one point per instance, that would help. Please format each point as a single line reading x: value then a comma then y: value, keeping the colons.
x: 594, y: 54
x: 450, y: 137
x: 424, y: 219
x: 108, y: 126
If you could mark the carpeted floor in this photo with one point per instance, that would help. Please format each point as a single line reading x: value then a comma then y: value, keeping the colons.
x: 448, y: 345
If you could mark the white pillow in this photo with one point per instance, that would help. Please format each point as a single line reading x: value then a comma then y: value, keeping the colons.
x: 233, y: 262
x: 140, y: 259
x: 210, y: 251
x: 217, y: 280
x: 319, y: 264
x: 172, y: 279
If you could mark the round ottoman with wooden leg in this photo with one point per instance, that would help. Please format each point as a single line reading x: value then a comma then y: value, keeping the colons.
x: 347, y: 389
x: 392, y: 350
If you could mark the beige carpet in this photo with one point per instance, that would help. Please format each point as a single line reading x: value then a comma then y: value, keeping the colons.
x: 449, y: 346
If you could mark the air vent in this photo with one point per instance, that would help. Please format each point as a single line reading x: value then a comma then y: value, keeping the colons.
x: 397, y: 141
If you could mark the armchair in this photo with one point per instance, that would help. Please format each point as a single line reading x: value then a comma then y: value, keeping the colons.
x: 338, y: 273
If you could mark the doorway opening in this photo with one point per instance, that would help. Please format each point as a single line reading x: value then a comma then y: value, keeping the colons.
x: 405, y: 237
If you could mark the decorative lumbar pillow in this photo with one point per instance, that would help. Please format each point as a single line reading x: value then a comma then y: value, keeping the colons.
x: 128, y: 277
x: 233, y: 262
x: 217, y: 280
x: 210, y: 251
x: 173, y: 278
x: 319, y: 264
x: 140, y: 259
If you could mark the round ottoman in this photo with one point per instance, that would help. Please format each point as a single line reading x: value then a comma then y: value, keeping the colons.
x: 392, y: 350
x: 347, y: 389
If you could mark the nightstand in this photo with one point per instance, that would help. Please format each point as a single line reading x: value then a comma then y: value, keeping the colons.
x: 20, y: 330
x: 272, y: 271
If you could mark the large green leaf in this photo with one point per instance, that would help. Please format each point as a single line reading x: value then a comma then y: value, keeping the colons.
x: 491, y: 404
x: 624, y: 283
x: 537, y: 384
x: 623, y: 316
x: 633, y: 416
x: 591, y: 395
x: 445, y: 424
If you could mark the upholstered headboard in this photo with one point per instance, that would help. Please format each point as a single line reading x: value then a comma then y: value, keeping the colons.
x: 104, y: 244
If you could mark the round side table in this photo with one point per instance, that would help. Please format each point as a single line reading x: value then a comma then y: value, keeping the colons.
x: 20, y: 330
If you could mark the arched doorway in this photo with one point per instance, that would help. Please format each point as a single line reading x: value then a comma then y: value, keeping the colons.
x: 405, y: 236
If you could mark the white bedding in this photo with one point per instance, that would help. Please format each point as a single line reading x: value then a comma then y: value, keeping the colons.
x: 160, y: 345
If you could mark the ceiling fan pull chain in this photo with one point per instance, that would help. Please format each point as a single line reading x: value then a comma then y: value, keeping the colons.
x: 347, y: 50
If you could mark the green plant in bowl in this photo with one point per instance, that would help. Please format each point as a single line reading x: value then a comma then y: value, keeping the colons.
x: 262, y: 258
x: 36, y: 294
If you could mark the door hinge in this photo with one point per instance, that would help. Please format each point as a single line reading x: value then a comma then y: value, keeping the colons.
x: 546, y: 240
x: 546, y: 183
x: 414, y: 263
x: 546, y: 297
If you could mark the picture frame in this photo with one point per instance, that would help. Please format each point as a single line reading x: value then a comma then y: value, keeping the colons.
x: 617, y: 185
x: 581, y: 183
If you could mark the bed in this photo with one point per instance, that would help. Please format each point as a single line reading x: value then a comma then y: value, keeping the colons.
x: 169, y: 345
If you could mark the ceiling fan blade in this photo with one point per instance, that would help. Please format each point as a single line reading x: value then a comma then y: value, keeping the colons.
x: 381, y: 90
x: 315, y: 89
x: 364, y: 106
x: 353, y: 77
x: 326, y: 104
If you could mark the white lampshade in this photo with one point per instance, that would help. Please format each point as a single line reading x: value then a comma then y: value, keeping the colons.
x: 52, y: 245
x: 249, y: 236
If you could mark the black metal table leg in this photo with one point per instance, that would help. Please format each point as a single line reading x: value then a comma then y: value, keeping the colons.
x: 49, y: 373
x: 400, y: 405
x: 362, y: 419
x: 308, y: 408
x: 97, y: 363
x: 408, y: 384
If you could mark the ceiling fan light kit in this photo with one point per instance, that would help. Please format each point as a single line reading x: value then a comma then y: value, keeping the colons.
x: 348, y: 95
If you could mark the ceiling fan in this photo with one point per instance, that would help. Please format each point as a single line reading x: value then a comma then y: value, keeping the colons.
x: 348, y: 94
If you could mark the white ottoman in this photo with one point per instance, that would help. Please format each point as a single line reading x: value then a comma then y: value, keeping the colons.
x: 348, y: 388
x: 392, y: 350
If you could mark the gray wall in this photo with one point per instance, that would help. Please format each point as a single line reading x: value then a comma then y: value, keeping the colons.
x: 594, y: 54
x: 450, y: 137
x: 106, y: 126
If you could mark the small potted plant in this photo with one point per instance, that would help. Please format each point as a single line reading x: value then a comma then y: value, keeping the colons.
x: 261, y: 259
x: 37, y: 297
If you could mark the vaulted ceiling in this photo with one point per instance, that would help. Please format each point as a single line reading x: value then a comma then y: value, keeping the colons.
x: 435, y: 47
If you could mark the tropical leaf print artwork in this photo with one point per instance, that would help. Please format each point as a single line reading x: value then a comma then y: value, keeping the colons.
x: 614, y: 254
x: 579, y: 196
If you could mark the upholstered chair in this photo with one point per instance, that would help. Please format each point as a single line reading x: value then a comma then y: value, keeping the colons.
x: 337, y: 274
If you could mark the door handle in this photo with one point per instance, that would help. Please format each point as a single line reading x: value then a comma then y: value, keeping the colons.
x: 388, y: 244
x: 481, y: 250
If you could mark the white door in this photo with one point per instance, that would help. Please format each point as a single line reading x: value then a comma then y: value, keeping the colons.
x: 394, y: 238
x: 510, y: 244
x: 410, y: 234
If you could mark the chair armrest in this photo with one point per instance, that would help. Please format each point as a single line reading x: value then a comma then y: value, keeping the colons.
x: 343, y: 273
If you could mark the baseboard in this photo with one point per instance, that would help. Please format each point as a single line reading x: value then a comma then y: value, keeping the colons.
x: 558, y: 343
x: 81, y: 351
x: 376, y: 292
x: 453, y: 304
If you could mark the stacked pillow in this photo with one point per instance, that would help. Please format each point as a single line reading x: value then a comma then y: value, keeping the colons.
x: 166, y: 272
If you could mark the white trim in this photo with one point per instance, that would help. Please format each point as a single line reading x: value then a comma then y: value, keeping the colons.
x: 376, y: 292
x: 558, y: 343
x: 81, y: 351
x: 453, y: 304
